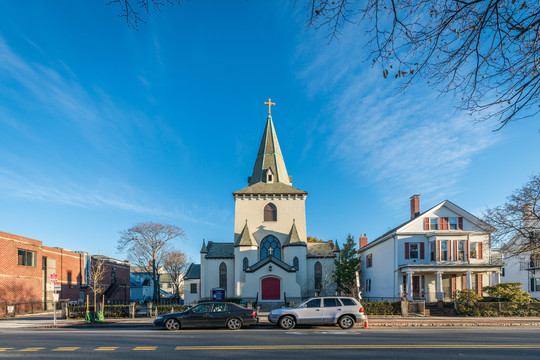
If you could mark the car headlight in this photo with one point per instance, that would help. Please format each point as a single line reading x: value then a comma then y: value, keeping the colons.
x: 159, y: 317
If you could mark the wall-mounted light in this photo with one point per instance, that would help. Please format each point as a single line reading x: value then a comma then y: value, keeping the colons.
x: 270, y: 268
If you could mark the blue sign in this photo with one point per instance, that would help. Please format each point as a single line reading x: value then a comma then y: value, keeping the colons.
x: 218, y: 295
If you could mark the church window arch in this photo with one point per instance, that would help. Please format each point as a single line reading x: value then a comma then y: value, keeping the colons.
x: 245, y: 264
x: 223, y: 275
x: 270, y: 246
x: 318, y: 275
x: 295, y: 263
x: 270, y: 212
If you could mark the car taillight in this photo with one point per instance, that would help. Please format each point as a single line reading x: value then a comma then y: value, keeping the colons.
x: 361, y: 310
x: 254, y: 313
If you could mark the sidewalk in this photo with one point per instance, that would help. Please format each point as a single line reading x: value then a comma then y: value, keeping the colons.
x: 46, y: 320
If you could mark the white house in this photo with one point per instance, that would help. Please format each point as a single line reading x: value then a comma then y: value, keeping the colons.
x: 269, y: 258
x: 429, y: 256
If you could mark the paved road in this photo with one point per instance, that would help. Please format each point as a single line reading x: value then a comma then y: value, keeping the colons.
x: 307, y: 343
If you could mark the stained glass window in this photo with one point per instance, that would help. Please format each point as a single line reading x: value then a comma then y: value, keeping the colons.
x: 270, y: 245
x: 223, y: 275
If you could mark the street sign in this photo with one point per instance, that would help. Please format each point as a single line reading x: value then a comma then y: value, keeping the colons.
x: 56, y: 297
x: 57, y: 287
x: 54, y: 277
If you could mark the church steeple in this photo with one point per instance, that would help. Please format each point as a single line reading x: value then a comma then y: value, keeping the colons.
x: 269, y: 165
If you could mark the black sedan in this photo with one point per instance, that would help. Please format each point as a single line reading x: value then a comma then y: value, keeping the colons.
x: 210, y: 314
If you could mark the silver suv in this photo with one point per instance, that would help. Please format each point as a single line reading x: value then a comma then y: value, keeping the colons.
x: 344, y: 311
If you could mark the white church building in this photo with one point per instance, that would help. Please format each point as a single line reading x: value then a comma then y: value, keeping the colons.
x: 270, y: 258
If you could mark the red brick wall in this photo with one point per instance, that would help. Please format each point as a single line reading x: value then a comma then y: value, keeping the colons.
x: 121, y: 291
x: 18, y: 282
x: 67, y: 263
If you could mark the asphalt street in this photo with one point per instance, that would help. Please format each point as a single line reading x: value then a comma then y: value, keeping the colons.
x: 305, y: 343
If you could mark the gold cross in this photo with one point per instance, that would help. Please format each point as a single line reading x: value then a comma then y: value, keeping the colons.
x: 269, y: 103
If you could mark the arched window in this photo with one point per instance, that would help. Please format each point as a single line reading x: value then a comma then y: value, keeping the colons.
x: 270, y: 212
x: 318, y: 276
x: 223, y: 275
x: 295, y: 262
x: 270, y: 246
x: 245, y: 264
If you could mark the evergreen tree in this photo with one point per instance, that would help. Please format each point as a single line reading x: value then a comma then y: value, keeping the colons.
x: 347, y: 265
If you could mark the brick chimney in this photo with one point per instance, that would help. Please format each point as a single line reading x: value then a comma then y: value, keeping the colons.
x: 363, y: 241
x: 415, y: 206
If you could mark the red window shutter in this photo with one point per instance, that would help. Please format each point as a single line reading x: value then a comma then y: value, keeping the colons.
x: 438, y: 250
x: 441, y: 225
x: 479, y: 249
x: 455, y: 250
x: 406, y: 251
x: 446, y: 222
x: 479, y: 282
x: 460, y: 223
x: 422, y: 251
x: 426, y: 223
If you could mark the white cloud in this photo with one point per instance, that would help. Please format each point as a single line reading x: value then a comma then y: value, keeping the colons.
x: 412, y: 142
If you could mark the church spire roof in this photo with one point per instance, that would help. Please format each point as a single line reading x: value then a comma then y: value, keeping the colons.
x: 293, y: 239
x: 269, y: 165
x: 204, y: 250
x: 245, y: 238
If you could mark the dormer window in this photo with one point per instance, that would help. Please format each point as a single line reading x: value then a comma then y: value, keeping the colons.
x: 269, y: 176
x: 270, y: 212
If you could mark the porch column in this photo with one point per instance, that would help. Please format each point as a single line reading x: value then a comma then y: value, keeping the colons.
x: 439, y: 286
x: 491, y: 278
x: 497, y: 279
x: 409, y: 285
x: 469, y: 282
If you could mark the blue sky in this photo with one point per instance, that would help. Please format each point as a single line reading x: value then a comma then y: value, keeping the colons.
x: 102, y: 126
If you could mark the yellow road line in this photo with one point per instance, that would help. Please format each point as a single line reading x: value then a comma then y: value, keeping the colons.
x: 106, y: 348
x: 138, y: 348
x: 314, y: 347
x: 32, y: 349
x: 4, y: 349
x: 66, y: 348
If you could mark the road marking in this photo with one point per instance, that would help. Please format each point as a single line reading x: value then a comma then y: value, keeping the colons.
x: 32, y: 349
x: 66, y: 348
x: 144, y: 348
x: 4, y: 349
x: 315, y: 347
x: 106, y: 348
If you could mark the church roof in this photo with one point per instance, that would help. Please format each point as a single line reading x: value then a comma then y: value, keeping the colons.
x: 269, y: 157
x: 293, y: 239
x: 336, y: 247
x: 204, y: 250
x: 220, y: 250
x: 320, y: 250
x: 245, y: 238
x: 270, y: 259
x: 262, y: 188
x: 193, y: 272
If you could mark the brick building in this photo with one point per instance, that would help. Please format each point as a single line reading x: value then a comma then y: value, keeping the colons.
x: 26, y: 265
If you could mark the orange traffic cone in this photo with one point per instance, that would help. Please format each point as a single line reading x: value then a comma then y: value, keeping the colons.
x: 366, y: 325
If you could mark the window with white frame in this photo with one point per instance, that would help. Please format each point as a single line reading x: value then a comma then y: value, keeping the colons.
x: 453, y: 222
x: 413, y: 250
x: 432, y: 251
x: 444, y: 250
x: 434, y: 223
x: 461, y: 250
x: 474, y: 250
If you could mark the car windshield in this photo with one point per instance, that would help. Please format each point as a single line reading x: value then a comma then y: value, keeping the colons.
x: 310, y: 303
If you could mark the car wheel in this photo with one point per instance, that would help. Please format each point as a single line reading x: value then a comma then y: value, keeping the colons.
x: 234, y: 324
x: 287, y: 322
x: 346, y: 322
x: 172, y: 324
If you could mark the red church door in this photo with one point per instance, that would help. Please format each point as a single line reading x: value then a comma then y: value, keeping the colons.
x: 270, y: 288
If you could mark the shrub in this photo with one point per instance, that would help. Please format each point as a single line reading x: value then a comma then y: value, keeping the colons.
x: 510, y: 292
x: 466, y: 302
x: 382, y: 308
x: 166, y: 309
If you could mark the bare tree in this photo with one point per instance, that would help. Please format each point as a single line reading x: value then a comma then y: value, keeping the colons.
x: 145, y: 244
x: 518, y: 220
x: 175, y: 263
x: 485, y: 52
x: 97, y: 274
x: 133, y: 10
